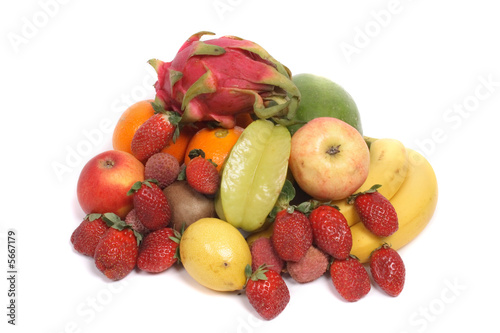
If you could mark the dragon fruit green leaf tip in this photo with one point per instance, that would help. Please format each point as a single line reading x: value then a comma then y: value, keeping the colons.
x: 216, y: 79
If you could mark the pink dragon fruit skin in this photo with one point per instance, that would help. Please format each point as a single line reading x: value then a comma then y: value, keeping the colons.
x: 219, y: 78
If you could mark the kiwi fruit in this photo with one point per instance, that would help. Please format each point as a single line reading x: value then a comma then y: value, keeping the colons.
x: 187, y: 205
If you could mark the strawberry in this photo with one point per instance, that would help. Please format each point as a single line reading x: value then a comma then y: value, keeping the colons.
x: 350, y: 278
x: 292, y: 234
x: 116, y: 253
x: 201, y: 173
x: 331, y: 231
x: 88, y: 234
x: 267, y: 292
x: 154, y: 134
x: 376, y: 212
x: 159, y: 250
x: 388, y: 270
x: 150, y: 204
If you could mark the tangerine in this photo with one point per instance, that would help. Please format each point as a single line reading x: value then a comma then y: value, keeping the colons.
x: 178, y: 149
x: 133, y: 117
x: 130, y: 120
x: 216, y: 143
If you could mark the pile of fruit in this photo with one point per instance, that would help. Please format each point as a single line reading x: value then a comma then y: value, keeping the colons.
x: 248, y: 176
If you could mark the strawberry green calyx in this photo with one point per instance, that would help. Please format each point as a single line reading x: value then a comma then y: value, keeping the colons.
x: 199, y: 152
x: 352, y: 198
x: 308, y: 206
x: 114, y: 221
x: 92, y: 216
x: 383, y: 246
x: 137, y: 185
x: 174, y: 118
x: 287, y: 194
x: 258, y: 274
x: 216, y: 79
x: 195, y: 153
x: 177, y: 238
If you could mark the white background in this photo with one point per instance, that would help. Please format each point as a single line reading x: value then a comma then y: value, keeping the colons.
x: 69, y: 68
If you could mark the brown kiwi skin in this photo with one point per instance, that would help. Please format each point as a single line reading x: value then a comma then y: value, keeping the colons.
x: 187, y: 205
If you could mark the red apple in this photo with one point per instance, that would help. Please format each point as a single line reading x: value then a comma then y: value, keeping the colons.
x: 105, y: 181
x: 329, y: 158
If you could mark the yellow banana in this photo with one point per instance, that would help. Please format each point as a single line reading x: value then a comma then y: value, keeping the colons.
x: 415, y: 203
x: 388, y: 167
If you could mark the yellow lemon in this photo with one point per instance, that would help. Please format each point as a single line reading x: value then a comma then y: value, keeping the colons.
x: 215, y: 254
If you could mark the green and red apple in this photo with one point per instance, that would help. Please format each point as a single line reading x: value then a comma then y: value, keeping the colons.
x: 329, y: 159
x: 105, y: 180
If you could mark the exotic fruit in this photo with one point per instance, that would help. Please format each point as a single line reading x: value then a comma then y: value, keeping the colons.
x: 219, y: 78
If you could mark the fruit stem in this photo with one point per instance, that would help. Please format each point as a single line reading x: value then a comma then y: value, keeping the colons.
x: 333, y: 150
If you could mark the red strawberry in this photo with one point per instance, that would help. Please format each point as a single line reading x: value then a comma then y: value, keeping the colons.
x: 150, y: 204
x: 116, y: 253
x: 88, y: 234
x: 158, y: 250
x: 350, y: 278
x: 292, y: 235
x: 202, y: 174
x: 376, y: 212
x: 267, y: 292
x: 388, y: 270
x: 331, y: 231
x: 154, y: 135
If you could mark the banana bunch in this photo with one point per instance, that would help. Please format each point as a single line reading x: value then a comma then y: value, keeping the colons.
x: 408, y: 181
x: 412, y: 189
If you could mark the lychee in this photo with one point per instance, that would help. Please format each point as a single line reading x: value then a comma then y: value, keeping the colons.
x: 132, y: 220
x: 263, y: 253
x: 312, y: 265
x: 163, y: 167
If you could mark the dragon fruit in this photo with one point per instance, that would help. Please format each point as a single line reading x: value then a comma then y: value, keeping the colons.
x: 216, y: 79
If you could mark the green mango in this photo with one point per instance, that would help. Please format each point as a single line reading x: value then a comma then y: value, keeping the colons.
x: 321, y: 97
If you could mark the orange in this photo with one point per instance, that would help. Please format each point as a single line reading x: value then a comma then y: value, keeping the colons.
x: 133, y: 118
x: 216, y: 143
x: 178, y: 149
x: 129, y: 122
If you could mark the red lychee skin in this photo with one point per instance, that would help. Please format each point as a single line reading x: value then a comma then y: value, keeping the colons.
x: 132, y: 220
x: 163, y: 167
x: 263, y: 253
x: 312, y: 265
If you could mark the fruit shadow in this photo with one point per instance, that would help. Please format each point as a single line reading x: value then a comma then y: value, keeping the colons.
x: 188, y: 281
